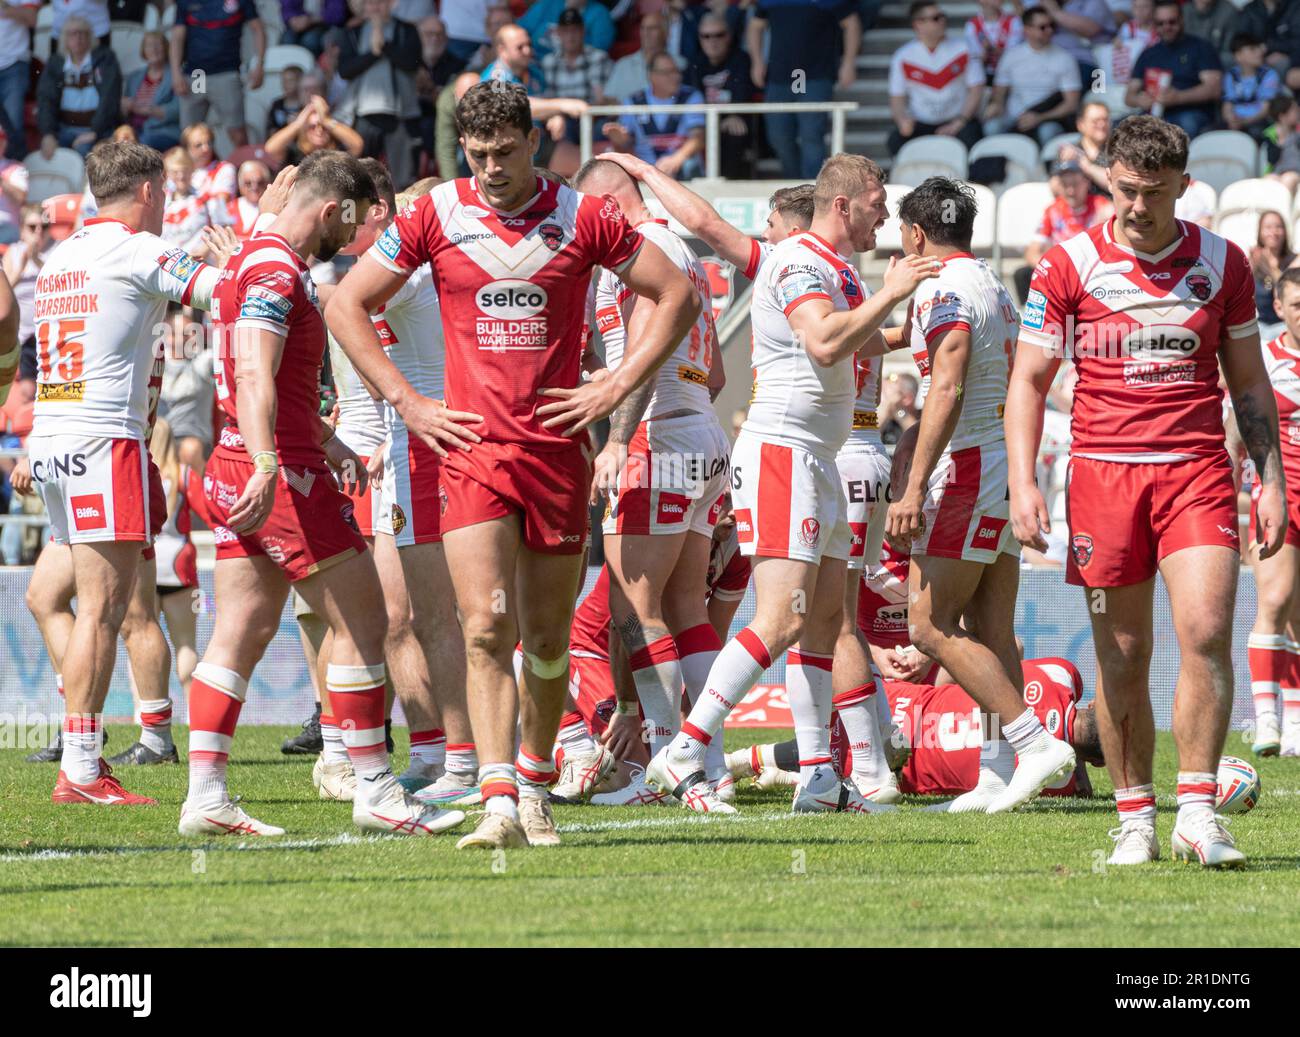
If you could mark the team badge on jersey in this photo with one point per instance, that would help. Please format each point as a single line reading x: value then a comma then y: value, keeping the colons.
x: 810, y: 531
x: 552, y: 236
x: 1199, y: 285
x: 398, y: 519
x: 390, y: 242
x: 1081, y: 548
x: 1033, y: 693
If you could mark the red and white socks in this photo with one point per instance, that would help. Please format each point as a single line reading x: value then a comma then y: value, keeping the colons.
x: 1197, y: 793
x: 534, y: 773
x: 736, y: 670
x: 216, y: 697
x: 83, y: 747
x: 357, y: 706
x: 1291, y: 702
x: 573, y: 736
x: 429, y: 748
x: 866, y: 754
x: 499, y: 787
x: 1137, y: 805
x: 808, y: 688
x: 1269, y: 658
x: 156, y: 725
x: 333, y: 750
x: 657, y: 673
x: 462, y: 759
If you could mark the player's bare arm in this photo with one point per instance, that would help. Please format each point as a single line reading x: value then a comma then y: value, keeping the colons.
x: 367, y: 286
x: 655, y: 278
x: 831, y: 336
x: 627, y: 415
x: 257, y: 358
x: 948, y: 364
x: 10, y: 350
x: 625, y: 731
x: 1031, y: 377
x: 1256, y: 410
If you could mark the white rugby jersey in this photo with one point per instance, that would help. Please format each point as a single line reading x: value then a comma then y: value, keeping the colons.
x: 682, y: 383
x: 935, y: 82
x: 362, y: 424
x: 966, y: 296
x: 100, y: 301
x: 410, y: 327
x: 183, y: 221
x: 797, y: 402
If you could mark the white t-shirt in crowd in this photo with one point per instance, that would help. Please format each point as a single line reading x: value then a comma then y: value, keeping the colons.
x: 1034, y: 75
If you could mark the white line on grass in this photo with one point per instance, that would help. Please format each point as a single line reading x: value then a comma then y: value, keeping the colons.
x: 672, y: 822
x: 125, y: 851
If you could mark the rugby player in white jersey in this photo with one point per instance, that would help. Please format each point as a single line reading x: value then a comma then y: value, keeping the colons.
x: 953, y: 510
x: 811, y: 316
x: 665, y: 476
x: 99, y: 297
x: 1150, y: 308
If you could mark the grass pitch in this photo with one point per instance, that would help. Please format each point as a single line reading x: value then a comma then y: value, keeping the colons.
x: 86, y: 876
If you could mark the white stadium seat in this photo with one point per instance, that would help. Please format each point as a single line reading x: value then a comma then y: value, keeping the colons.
x: 64, y: 173
x: 985, y: 230
x: 1021, y: 154
x: 126, y: 39
x: 280, y: 57
x: 929, y: 156
x: 1049, y: 151
x: 1222, y: 157
x: 1242, y: 203
x: 1020, y: 214
x: 1113, y: 94
x: 889, y: 238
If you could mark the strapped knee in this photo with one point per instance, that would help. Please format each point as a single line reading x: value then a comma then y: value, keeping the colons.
x: 545, y: 669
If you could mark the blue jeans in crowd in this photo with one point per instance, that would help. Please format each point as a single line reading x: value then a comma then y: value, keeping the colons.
x: 13, y: 89
x: 1191, y: 121
x: 799, y: 139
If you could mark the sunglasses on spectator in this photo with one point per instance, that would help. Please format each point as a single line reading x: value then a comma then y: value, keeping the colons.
x: 1046, y: 26
x: 33, y: 226
x: 713, y: 35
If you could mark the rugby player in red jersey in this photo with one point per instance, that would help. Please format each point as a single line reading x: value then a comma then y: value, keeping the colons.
x: 511, y: 255
x: 1150, y: 307
x: 280, y: 519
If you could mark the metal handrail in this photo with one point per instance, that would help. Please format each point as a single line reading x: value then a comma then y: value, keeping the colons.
x: 713, y: 114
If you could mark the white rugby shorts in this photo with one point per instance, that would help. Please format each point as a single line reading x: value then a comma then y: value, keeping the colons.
x: 967, y: 508
x: 94, y: 489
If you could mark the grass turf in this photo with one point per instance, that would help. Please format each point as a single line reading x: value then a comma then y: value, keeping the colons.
x: 87, y: 876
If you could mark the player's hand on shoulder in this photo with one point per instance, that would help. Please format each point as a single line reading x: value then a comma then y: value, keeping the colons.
x: 439, y: 426
x: 575, y: 409
x: 353, y: 475
x: 906, y: 274
x: 277, y: 194
x: 1030, y: 518
x: 254, y: 505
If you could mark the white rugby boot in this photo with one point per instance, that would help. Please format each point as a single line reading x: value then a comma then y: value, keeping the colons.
x: 580, y: 775
x: 391, y: 809
x: 636, y: 793
x: 1268, y: 736
x: 825, y: 793
x: 495, y: 832
x: 452, y: 789
x: 1135, y: 843
x: 878, y: 789
x: 1047, y: 760
x: 724, y: 785
x: 987, y: 788
x: 1202, y: 837
x: 226, y: 818
x: 684, y: 780
x: 334, y: 781
x: 538, y: 822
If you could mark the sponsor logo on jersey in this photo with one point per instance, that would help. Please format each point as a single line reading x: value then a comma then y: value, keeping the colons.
x: 511, y: 315
x: 1053, y: 719
x: 1033, y: 693
x: 274, y: 548
x: 857, y: 539
x: 1183, y: 262
x: 744, y: 526
x: 223, y: 535
x: 390, y: 242
x: 798, y: 280
x: 689, y: 374
x: 180, y: 265
x: 1156, y: 342
x: 53, y: 467
x: 397, y: 519
x: 1116, y: 293
x: 610, y: 210
x: 1160, y: 275
x: 265, y: 304
x: 1081, y: 549
x: 459, y: 238
x: 552, y: 236
x: 88, y: 512
x: 891, y: 617
x: 1035, y: 311
x: 672, y: 507
x: 474, y: 212
x: 60, y: 392
x: 988, y: 531
x: 1199, y: 285
x: 810, y: 531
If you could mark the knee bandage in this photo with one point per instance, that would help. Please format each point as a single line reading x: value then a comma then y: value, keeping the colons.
x: 547, y: 670
x: 218, y: 678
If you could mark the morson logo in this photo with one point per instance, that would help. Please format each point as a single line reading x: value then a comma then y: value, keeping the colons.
x: 511, y: 299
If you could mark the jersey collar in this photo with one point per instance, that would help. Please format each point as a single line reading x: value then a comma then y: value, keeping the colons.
x: 1146, y: 257
x: 541, y: 185
x: 653, y: 219
x: 108, y: 219
x: 955, y: 255
x: 827, y: 245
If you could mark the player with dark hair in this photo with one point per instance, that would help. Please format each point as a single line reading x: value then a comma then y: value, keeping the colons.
x: 511, y: 256
x: 1150, y: 308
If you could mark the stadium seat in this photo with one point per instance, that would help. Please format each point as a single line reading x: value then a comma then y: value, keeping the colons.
x: 45, y: 16
x: 889, y: 238
x: 126, y: 39
x: 257, y: 103
x: 1242, y: 203
x: 1047, y: 155
x: 65, y: 173
x: 1020, y: 214
x: 1021, y: 154
x: 281, y: 56
x: 1113, y: 95
x: 1222, y: 157
x: 929, y: 156
x: 984, y: 234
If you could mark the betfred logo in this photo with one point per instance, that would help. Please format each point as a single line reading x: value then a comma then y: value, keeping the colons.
x: 744, y: 526
x: 672, y: 508
x: 511, y: 299
x: 88, y: 512
x: 988, y: 531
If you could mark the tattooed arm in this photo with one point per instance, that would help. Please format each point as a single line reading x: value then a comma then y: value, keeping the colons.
x: 1252, y: 399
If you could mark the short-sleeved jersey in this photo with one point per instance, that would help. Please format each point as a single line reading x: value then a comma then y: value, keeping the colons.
x: 882, y: 600
x: 1145, y: 333
x: 759, y: 253
x: 682, y: 383
x: 935, y: 82
x: 215, y: 179
x: 410, y: 329
x: 1061, y: 222
x: 266, y: 286
x: 1282, y: 361
x: 866, y: 379
x: 967, y: 296
x: 944, y: 726
x: 362, y: 424
x: 797, y: 402
x: 99, y: 306
x: 513, y: 290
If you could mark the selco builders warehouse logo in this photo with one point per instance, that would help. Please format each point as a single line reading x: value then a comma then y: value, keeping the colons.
x: 93, y: 990
x: 511, y: 315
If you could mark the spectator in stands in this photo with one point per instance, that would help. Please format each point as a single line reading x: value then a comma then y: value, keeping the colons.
x: 514, y: 61
x: 1093, y: 125
x: 206, y: 42
x: 285, y: 108
x: 935, y: 85
x: 254, y: 178
x: 1179, y: 77
x: 1277, y: 23
x: 671, y: 142
x: 187, y: 391
x: 498, y: 17
x: 13, y: 194
x: 414, y: 11
x: 313, y: 129
x: 378, y: 58
x: 438, y: 65
x: 1037, y: 86
x: 898, y: 407
x: 631, y: 72
x: 184, y: 216
x: 543, y: 16
x: 22, y: 263
x: 1134, y: 36
x: 1081, y: 25
x: 1281, y: 141
x: 79, y: 96
x: 17, y: 18
x: 148, y: 102
x: 214, y: 178
x: 575, y: 68
x: 446, y: 141
x: 1270, y: 255
x: 1248, y: 87
x: 465, y: 26
x: 1197, y: 204
x: 306, y: 23
x: 95, y: 12
x: 1072, y: 212
x: 690, y: 49
x: 802, y: 52
x: 720, y: 73
x: 990, y: 33
x: 1217, y: 21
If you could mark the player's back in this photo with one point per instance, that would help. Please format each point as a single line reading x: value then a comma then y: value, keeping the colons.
x: 410, y: 330
x: 361, y: 423
x: 99, y: 305
x: 267, y: 287
x: 967, y: 296
x: 795, y: 401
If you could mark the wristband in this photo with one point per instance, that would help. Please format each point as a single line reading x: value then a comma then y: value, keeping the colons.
x: 627, y: 709
x: 266, y: 462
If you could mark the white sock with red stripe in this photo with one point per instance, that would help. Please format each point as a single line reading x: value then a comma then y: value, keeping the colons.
x: 156, y: 724
x: 216, y: 697
x: 333, y: 751
x: 808, y: 688
x: 1269, y: 658
x: 573, y: 736
x: 499, y: 787
x: 657, y: 673
x: 462, y: 758
x: 698, y: 649
x: 357, y: 703
x: 534, y: 772
x: 429, y: 748
x: 1137, y: 804
x: 1197, y: 792
x: 1025, y: 731
x: 83, y: 746
x: 735, y: 671
x: 1291, y: 696
x: 858, y: 715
